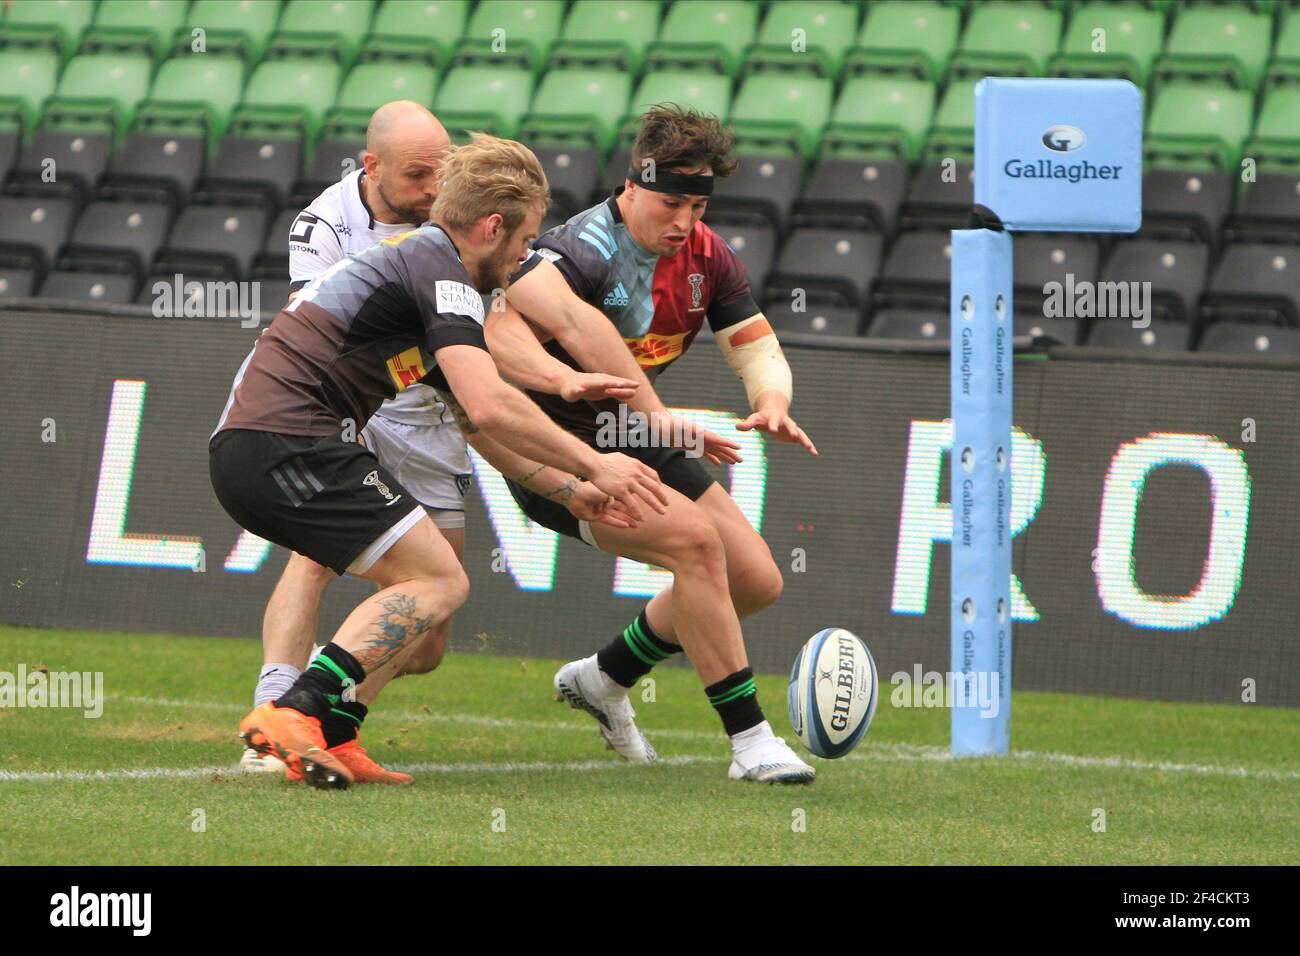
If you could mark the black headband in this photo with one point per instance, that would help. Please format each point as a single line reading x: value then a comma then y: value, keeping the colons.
x: 667, y: 181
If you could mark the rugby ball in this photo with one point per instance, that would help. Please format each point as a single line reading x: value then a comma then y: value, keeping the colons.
x: 833, y: 692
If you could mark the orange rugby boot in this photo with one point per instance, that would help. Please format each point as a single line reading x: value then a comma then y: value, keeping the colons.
x: 363, y: 769
x: 297, y: 740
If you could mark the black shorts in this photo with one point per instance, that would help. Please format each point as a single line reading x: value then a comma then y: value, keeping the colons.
x: 326, y: 498
x: 676, y: 470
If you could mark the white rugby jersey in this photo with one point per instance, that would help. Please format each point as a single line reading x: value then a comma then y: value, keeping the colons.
x: 339, y: 223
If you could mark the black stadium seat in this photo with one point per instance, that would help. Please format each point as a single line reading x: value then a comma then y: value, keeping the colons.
x: 1269, y: 208
x: 10, y: 140
x: 816, y: 317
x: 755, y: 246
x: 1175, y: 268
x: 901, y: 323
x: 332, y: 160
x: 761, y: 188
x: 16, y: 281
x: 38, y: 224
x: 615, y: 172
x: 256, y: 166
x: 98, y: 287
x: 940, y: 196
x: 272, y: 260
x: 1040, y: 258
x: 838, y: 261
x: 865, y: 192
x: 1185, y: 204
x: 571, y: 173
x: 919, y: 261
x: 1065, y: 331
x: 225, y: 236
x: 79, y: 156
x: 1157, y: 337
x: 1250, y: 339
x: 169, y: 163
x: 136, y: 229
x: 1255, y: 282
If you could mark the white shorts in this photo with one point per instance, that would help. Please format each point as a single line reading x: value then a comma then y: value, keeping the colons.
x: 431, y: 461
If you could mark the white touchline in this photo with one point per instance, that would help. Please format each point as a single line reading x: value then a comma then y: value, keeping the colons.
x: 870, y: 751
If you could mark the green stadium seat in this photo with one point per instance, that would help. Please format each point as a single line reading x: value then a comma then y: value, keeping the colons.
x: 27, y: 78
x: 1276, y: 142
x: 607, y: 34
x: 486, y: 98
x: 371, y: 85
x: 126, y: 25
x: 781, y: 112
x: 57, y: 24
x: 1133, y: 38
x: 881, y: 116
x: 1005, y: 39
x: 805, y: 34
x: 287, y: 98
x: 700, y: 34
x: 99, y: 91
x: 1227, y: 45
x: 580, y: 107
x: 190, y: 86
x: 428, y: 30
x: 1286, y: 55
x: 511, y: 33
x: 231, y: 26
x: 953, y: 132
x: 902, y: 35
x: 322, y: 27
x: 1194, y: 126
x: 706, y: 92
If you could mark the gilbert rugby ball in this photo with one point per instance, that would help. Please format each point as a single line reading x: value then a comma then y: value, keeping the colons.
x: 833, y: 692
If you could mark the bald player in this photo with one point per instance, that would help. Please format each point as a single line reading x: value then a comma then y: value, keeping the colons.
x: 413, y: 435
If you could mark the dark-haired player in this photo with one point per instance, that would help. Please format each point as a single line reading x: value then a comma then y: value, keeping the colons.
x: 645, y: 260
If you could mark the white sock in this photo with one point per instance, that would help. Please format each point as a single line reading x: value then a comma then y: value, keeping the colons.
x: 273, y: 682
x: 747, y: 738
x: 608, y: 686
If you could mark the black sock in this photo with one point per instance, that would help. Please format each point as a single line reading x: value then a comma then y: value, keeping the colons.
x: 735, y: 698
x: 343, y: 722
x: 322, y: 685
x: 634, y: 653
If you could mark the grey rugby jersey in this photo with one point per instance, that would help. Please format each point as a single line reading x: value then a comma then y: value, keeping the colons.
x: 358, y: 334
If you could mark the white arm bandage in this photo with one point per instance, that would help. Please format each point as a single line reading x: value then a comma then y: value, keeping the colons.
x: 759, y: 364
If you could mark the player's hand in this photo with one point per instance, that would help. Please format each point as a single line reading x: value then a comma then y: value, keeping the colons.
x: 592, y: 505
x: 593, y: 386
x: 627, y: 480
x: 777, y: 424
x: 696, y: 437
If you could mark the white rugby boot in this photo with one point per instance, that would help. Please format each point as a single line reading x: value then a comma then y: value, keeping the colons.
x: 761, y: 756
x: 254, y: 762
x: 585, y: 687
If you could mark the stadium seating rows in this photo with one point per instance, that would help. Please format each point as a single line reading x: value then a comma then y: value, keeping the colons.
x: 178, y: 136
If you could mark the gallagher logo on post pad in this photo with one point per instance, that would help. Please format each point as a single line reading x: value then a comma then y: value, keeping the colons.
x: 1064, y: 139
x: 1059, y: 155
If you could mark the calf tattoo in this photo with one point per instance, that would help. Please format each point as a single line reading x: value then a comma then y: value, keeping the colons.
x: 392, y: 631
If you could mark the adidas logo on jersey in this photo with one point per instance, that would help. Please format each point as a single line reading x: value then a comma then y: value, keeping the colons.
x: 617, y: 296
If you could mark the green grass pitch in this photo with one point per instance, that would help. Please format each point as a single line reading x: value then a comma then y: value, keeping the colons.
x: 504, y: 775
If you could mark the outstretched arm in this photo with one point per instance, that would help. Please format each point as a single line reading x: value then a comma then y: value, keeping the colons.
x: 754, y: 354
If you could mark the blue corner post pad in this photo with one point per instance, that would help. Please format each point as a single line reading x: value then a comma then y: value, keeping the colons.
x: 1059, y: 154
